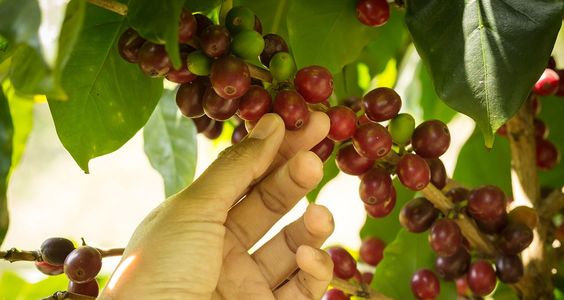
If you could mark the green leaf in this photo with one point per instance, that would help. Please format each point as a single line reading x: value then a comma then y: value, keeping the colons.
x: 201, y: 5
x: 170, y: 144
x: 19, y: 22
x: 477, y: 165
x: 504, y: 292
x: 11, y: 285
x: 158, y: 21
x: 6, y: 145
x: 109, y: 99
x: 480, y: 53
x: 21, y: 110
x: 408, y: 253
x: 330, y: 171
x: 272, y: 14
x: 551, y: 113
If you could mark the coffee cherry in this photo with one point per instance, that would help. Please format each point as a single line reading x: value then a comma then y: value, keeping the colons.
x: 55, y: 250
x: 273, y: 44
x: 372, y: 140
x: 89, y: 288
x: 525, y: 215
x: 239, y: 133
x: 247, y: 44
x: 314, y: 83
x: 48, y: 269
x: 198, y: 63
x: 153, y: 60
x: 438, y: 172
x: 382, y: 209
x: 230, y: 77
x: 254, y: 104
x: 258, y: 25
x: 188, y: 26
x: 547, y: 155
x: 215, y: 41
x: 203, y: 123
x: 129, y: 44
x: 381, y: 104
x: 425, y: 285
x: 445, y: 237
x: 240, y: 18
x: 462, y: 286
x: 458, y: 194
x: 418, y: 215
x: 454, y: 266
x: 323, y: 149
x: 363, y: 119
x: 502, y: 130
x: 202, y: 23
x: 218, y: 108
x: 481, y: 278
x: 413, y: 172
x: 335, y: 294
x: 189, y: 98
x: 536, y: 106
x: 547, y: 84
x: 344, y: 265
x: 431, y: 139
x: 401, y: 128
x: 486, y: 203
x: 372, y: 250
x: 352, y: 163
x: 282, y: 66
x: 375, y: 186
x: 182, y: 75
x: 541, y: 131
x: 373, y: 12
x: 343, y: 123
x: 292, y: 107
x: 214, y: 131
x: 493, y: 226
x: 551, y: 64
x: 515, y: 238
x: 509, y: 268
x: 83, y: 264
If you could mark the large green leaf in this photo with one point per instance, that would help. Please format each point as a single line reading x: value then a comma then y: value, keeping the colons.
x: 202, y: 5
x: 170, y: 144
x: 330, y: 171
x: 21, y: 110
x: 484, y: 55
x: 157, y: 21
x: 6, y: 145
x: 19, y: 22
x: 551, y: 114
x: 272, y: 14
x: 109, y: 99
x: 408, y: 253
x: 477, y: 165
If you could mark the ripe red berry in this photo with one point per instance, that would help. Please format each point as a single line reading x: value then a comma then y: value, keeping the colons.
x: 372, y: 140
x: 215, y: 41
x: 372, y: 250
x: 381, y: 104
x: 445, y: 237
x: 153, y: 60
x: 89, y: 288
x: 230, y: 77
x: 189, y: 98
x: 48, y: 269
x: 203, y: 22
x: 462, y: 286
x: 258, y: 25
x: 375, y: 186
x: 187, y: 27
x: 509, y: 268
x: 323, y: 149
x: 502, y: 130
x: 541, y: 130
x: 203, y: 123
x: 373, y: 12
x: 54, y: 250
x: 486, y: 203
x: 293, y: 109
x: 492, y: 226
x: 514, y: 238
x: 457, y: 194
x: 547, y: 83
x: 314, y: 83
x: 343, y: 123
x: 481, y: 278
x: 367, y: 277
x: 239, y: 133
x: 431, y: 139
x: 382, y: 209
x: 547, y: 155
x: 352, y: 163
x: 418, y: 215
x: 454, y: 266
x: 129, y: 44
x: 83, y: 264
x: 218, y: 108
x: 425, y: 285
x: 214, y: 131
x: 413, y: 172
x: 273, y: 44
x: 438, y: 172
x: 344, y: 265
x: 254, y: 104
x: 335, y: 294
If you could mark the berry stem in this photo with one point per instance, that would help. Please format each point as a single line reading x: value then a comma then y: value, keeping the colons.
x: 68, y: 295
x: 14, y: 254
x: 111, y: 5
x: 358, y: 290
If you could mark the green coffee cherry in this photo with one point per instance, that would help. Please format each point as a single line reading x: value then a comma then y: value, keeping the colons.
x: 282, y: 66
x: 240, y: 18
x: 401, y: 128
x: 247, y: 44
x: 198, y: 63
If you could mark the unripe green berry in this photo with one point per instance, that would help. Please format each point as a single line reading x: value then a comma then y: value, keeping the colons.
x: 240, y: 18
x: 198, y: 63
x: 247, y: 44
x: 282, y: 66
x: 401, y: 128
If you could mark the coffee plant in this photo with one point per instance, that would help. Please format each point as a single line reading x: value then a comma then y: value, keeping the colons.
x: 390, y: 75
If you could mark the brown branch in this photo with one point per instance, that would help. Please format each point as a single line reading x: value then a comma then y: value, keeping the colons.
x: 14, y: 254
x: 551, y: 205
x: 117, y: 7
x: 68, y: 295
x: 358, y: 290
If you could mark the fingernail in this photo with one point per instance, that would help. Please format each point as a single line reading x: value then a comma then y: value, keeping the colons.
x: 264, y: 128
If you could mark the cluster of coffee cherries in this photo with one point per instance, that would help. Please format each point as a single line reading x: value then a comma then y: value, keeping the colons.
x: 373, y: 13
x: 345, y: 266
x: 80, y: 265
x: 510, y: 232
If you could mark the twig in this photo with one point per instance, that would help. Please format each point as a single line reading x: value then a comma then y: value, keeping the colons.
x: 14, y: 254
x: 357, y: 290
x: 551, y: 205
x: 68, y: 295
x: 111, y: 5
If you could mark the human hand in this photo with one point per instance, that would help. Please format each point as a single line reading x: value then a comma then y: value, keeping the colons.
x: 195, y: 245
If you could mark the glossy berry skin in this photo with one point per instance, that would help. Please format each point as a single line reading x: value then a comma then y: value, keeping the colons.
x: 230, y: 77
x: 335, y: 294
x: 181, y: 75
x: 425, y: 285
x: 89, y: 288
x: 323, y: 149
x: 352, y: 163
x: 203, y: 123
x: 372, y: 140
x: 188, y: 26
x: 401, y: 128
x: 254, y: 104
x: 189, y: 98
x: 373, y: 12
x: 258, y: 25
x: 541, y: 130
x: 438, y: 172
x: 547, y: 84
x: 547, y: 155
x: 381, y: 104
x: 202, y: 22
x: 372, y: 250
x: 198, y: 63
x: 247, y: 44
x: 481, y: 278
x: 293, y: 109
x: 48, y: 269
x: 239, y: 133
x: 413, y: 172
x: 218, y: 108
x: 282, y: 66
x: 493, y: 226
x: 525, y: 215
x: 83, y: 264
x: 458, y: 194
x: 431, y: 139
x: 214, y: 131
x: 486, y: 203
x: 314, y: 83
x: 375, y: 186
x: 502, y: 130
x: 509, y: 268
x: 382, y: 209
x: 344, y: 265
x: 215, y: 41
x: 418, y: 215
x: 240, y: 18
x: 273, y: 44
x: 55, y: 250
x: 514, y: 238
x: 129, y: 44
x: 367, y: 277
x: 153, y: 60
x: 343, y: 123
x: 454, y: 266
x: 445, y: 237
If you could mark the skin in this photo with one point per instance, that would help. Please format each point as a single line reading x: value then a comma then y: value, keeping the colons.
x: 195, y: 244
